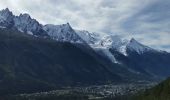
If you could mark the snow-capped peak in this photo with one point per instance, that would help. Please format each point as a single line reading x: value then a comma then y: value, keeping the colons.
x: 112, y: 41
x: 138, y: 47
x: 23, y: 23
x: 26, y: 24
x: 5, y: 13
x: 6, y: 18
x: 62, y: 32
x: 90, y: 37
x: 122, y: 45
x: 25, y: 16
x: 65, y: 33
x: 115, y: 42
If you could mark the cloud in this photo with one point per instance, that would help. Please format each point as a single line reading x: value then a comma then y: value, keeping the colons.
x: 153, y: 18
x: 146, y: 20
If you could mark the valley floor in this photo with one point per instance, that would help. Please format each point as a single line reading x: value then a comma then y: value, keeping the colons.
x: 102, y: 92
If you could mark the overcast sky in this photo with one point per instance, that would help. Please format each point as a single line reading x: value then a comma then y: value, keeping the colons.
x: 146, y: 20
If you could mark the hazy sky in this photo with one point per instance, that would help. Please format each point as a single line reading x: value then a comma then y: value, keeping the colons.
x: 146, y: 20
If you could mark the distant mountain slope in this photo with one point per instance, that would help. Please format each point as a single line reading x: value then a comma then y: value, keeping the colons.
x: 153, y: 63
x: 134, y: 56
x: 159, y: 92
x: 30, y: 64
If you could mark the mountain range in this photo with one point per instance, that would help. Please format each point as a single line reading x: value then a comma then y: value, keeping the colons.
x: 36, y: 57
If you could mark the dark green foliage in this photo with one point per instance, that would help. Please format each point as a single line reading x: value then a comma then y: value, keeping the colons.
x: 160, y: 92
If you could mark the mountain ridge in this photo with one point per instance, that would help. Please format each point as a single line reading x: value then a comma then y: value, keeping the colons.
x: 64, y: 32
x: 119, y: 54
